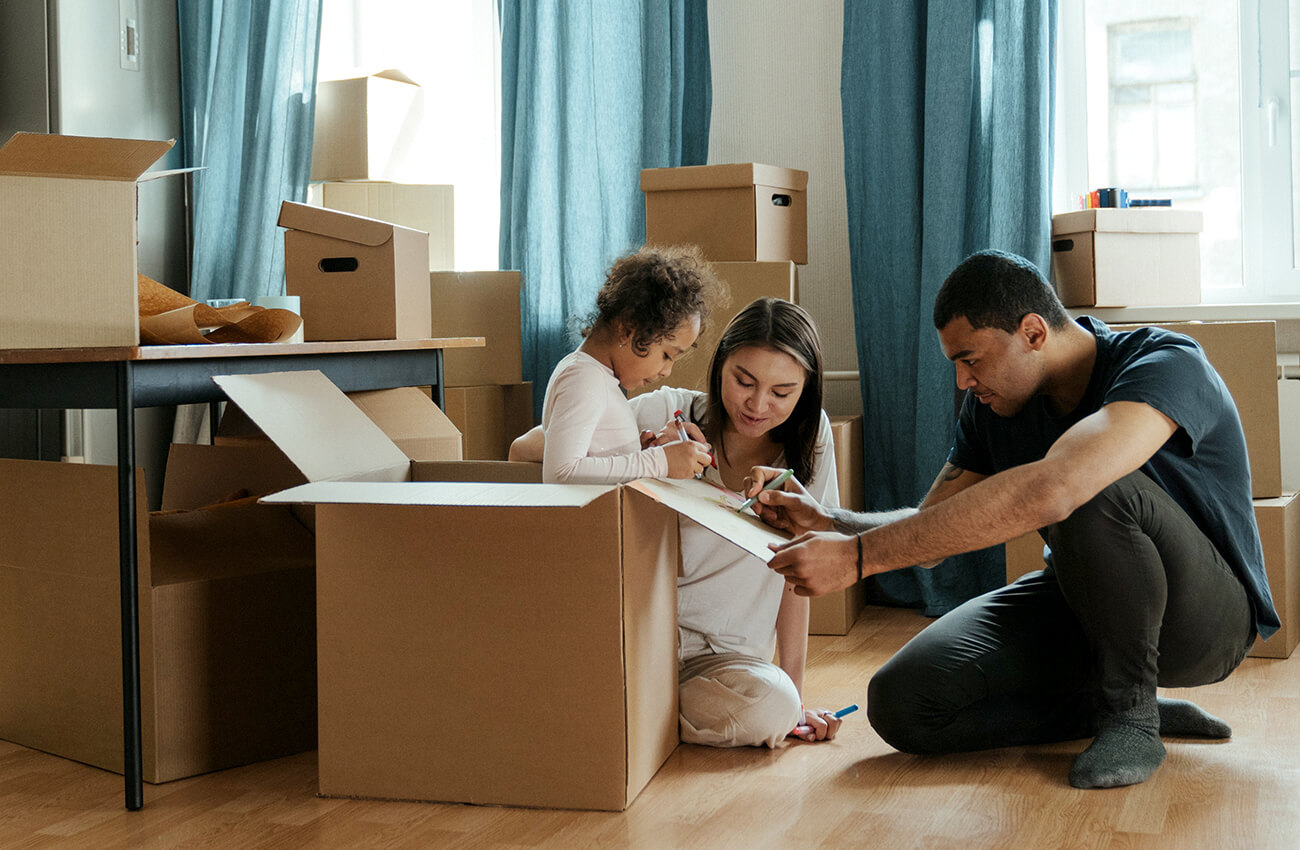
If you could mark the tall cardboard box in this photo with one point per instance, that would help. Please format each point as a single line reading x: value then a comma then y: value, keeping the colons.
x: 835, y: 613
x: 735, y: 212
x: 358, y: 278
x: 745, y: 282
x: 429, y: 208
x: 1279, y: 532
x: 489, y: 417
x: 1245, y: 356
x: 227, y: 625
x: 68, y: 238
x: 482, y: 304
x: 423, y: 609
x: 1127, y: 257
x: 365, y: 126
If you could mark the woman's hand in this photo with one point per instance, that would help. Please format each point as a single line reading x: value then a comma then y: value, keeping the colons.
x: 819, y: 725
x: 789, y: 509
x: 686, y: 458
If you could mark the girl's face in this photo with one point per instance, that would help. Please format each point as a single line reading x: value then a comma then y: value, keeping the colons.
x: 760, y: 388
x: 633, y: 370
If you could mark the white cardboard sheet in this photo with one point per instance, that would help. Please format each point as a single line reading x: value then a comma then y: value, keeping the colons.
x: 715, y: 509
x: 467, y: 493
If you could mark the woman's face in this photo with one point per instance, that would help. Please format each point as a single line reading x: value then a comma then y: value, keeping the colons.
x: 760, y: 387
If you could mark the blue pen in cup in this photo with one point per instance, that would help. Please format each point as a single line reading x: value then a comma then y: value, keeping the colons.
x: 771, y: 485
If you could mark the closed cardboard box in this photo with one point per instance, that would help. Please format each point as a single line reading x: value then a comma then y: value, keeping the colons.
x: 489, y: 417
x: 435, y: 596
x: 1245, y: 356
x: 1279, y: 531
x: 482, y: 304
x: 365, y: 126
x: 227, y: 624
x: 68, y: 238
x: 424, y: 207
x: 1127, y: 257
x: 358, y: 278
x: 735, y: 212
x: 835, y: 613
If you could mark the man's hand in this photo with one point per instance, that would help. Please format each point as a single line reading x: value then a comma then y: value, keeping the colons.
x: 790, y: 509
x: 817, y: 563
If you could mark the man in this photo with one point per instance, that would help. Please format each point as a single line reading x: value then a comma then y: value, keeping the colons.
x: 1125, y: 452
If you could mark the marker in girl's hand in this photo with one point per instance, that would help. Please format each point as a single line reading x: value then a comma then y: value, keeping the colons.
x: 680, y: 419
x: 771, y: 485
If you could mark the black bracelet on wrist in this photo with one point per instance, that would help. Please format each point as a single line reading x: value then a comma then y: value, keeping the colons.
x: 858, y: 537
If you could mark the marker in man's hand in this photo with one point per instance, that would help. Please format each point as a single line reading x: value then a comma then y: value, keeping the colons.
x: 846, y: 710
x: 771, y: 485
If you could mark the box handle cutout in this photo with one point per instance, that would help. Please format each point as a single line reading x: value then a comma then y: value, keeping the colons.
x: 337, y: 264
x: 780, y: 200
x: 1061, y: 245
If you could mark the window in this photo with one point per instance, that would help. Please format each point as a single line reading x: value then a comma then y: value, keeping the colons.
x: 1190, y: 101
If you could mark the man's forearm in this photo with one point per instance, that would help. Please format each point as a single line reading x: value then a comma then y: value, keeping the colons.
x: 852, y: 522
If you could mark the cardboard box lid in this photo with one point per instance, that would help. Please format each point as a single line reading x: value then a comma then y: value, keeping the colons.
x: 1140, y: 220
x: 325, y: 435
x: 442, y: 493
x: 81, y: 157
x: 336, y: 224
x: 386, y: 74
x: 722, y: 177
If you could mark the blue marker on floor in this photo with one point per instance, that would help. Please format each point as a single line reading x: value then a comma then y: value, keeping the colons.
x: 848, y: 709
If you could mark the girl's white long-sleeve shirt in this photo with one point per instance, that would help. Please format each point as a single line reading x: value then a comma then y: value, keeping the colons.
x: 591, y: 432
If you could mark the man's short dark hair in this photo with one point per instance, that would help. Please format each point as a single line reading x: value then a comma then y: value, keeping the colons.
x: 996, y: 289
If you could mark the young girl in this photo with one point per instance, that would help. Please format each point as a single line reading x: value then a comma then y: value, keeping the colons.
x: 648, y: 313
x: 763, y: 408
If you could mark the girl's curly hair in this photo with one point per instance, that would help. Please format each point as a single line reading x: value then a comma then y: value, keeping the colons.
x: 652, y: 291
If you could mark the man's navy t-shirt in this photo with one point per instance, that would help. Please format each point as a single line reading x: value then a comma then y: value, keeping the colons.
x: 1203, y: 466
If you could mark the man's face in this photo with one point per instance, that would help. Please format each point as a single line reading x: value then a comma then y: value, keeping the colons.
x: 1003, y: 370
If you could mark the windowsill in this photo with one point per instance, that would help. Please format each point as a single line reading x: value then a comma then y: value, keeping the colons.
x: 1279, y: 311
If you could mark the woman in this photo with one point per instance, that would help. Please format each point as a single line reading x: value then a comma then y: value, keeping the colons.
x: 763, y: 408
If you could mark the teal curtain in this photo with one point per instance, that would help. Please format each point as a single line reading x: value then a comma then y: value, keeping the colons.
x: 248, y: 84
x: 947, y: 150
x: 591, y: 93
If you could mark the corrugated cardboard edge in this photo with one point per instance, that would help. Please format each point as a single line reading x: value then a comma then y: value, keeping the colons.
x: 79, y: 157
x: 335, y: 224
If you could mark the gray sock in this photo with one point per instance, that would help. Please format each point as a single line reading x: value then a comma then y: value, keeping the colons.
x: 1126, y: 751
x: 1182, y: 719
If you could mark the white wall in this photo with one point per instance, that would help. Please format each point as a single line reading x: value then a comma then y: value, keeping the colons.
x: 776, y: 100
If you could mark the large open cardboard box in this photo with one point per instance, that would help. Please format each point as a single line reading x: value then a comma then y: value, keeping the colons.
x: 524, y: 599
x: 1127, y: 257
x: 1245, y: 356
x: 735, y: 212
x: 227, y: 631
x: 68, y: 239
x: 486, y: 303
x: 426, y: 207
x: 357, y: 277
x: 365, y: 126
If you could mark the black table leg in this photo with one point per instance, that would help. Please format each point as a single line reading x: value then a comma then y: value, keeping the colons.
x: 132, y: 757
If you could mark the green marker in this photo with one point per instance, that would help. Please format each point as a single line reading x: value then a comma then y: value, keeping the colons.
x: 771, y: 485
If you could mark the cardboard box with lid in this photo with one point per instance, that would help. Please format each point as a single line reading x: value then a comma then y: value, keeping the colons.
x: 357, y: 277
x: 1127, y: 257
x: 734, y: 212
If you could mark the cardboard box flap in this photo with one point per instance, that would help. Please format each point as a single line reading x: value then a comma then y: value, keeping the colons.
x: 336, y: 224
x: 386, y: 74
x: 411, y: 420
x: 722, y: 177
x: 79, y: 157
x: 715, y: 509
x: 445, y: 493
x: 325, y: 435
x: 1139, y: 220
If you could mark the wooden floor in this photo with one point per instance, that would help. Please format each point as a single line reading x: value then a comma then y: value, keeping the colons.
x: 853, y: 792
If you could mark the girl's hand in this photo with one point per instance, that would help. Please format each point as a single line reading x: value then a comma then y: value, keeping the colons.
x: 686, y: 458
x: 819, y: 725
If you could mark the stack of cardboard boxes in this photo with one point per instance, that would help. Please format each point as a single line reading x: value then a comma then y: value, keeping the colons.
x: 751, y: 221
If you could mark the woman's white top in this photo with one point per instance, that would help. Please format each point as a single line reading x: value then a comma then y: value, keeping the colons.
x: 591, y: 433
x: 727, y: 599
